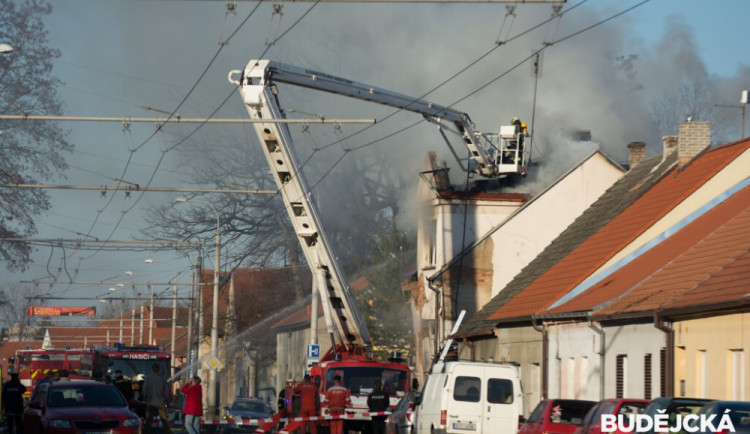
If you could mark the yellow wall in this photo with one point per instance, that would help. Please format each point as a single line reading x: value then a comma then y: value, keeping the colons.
x: 721, y: 343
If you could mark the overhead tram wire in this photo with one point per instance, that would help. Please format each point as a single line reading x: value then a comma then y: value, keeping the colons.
x: 569, y: 36
x: 182, y: 102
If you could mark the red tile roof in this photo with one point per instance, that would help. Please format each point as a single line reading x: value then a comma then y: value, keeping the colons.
x: 713, y: 271
x: 298, y: 317
x: 637, y: 274
x: 618, y: 233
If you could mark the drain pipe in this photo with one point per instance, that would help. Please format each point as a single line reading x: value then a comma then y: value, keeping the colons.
x: 669, y: 359
x: 436, y: 346
x: 545, y: 354
x: 602, y: 356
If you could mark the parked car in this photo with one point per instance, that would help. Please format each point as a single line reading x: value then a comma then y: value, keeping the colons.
x: 674, y: 406
x: 556, y: 416
x: 247, y: 408
x: 400, y: 420
x: 739, y: 413
x: 79, y: 406
x: 592, y: 423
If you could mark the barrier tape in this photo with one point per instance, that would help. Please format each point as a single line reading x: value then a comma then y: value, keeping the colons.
x: 348, y: 416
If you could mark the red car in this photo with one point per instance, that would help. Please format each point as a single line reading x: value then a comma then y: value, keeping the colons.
x: 592, y: 423
x: 556, y: 416
x: 68, y: 407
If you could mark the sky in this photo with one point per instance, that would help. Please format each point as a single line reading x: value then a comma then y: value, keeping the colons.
x: 120, y: 56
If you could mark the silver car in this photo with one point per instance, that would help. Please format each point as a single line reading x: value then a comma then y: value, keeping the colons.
x: 400, y: 420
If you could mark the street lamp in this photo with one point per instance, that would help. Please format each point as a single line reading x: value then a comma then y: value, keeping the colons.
x: 214, y: 309
x: 174, y: 310
x: 121, y: 314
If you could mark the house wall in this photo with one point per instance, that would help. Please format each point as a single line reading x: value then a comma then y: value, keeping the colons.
x: 520, y: 239
x: 635, y: 342
x: 574, y: 362
x: 710, y: 357
x: 522, y: 346
x: 512, y: 243
x: 291, y: 352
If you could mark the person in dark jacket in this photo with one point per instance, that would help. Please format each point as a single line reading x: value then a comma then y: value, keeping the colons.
x: 377, y: 401
x: 12, y: 403
x: 124, y: 384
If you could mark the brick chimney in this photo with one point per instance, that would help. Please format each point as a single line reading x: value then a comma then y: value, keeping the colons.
x: 693, y: 138
x: 637, y: 152
x: 670, y: 144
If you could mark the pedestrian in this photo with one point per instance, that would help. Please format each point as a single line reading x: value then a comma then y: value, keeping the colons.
x: 12, y: 403
x: 156, y: 393
x: 336, y: 400
x: 378, y: 401
x: 193, y: 410
x: 308, y: 393
x: 125, y: 386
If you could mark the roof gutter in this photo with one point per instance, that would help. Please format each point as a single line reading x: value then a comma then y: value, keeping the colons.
x: 660, y: 324
x: 545, y: 353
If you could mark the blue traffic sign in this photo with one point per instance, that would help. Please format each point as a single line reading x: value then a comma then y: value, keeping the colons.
x: 313, y: 351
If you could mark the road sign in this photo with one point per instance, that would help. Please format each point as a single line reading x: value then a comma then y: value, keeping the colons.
x: 214, y: 363
x: 313, y: 351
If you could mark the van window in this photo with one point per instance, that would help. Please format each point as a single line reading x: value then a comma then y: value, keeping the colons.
x: 499, y: 391
x: 467, y: 389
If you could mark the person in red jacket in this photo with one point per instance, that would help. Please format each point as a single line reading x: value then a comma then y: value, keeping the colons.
x: 308, y: 394
x: 193, y: 405
x: 337, y: 399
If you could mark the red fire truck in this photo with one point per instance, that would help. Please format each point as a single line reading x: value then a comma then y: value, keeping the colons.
x: 132, y: 361
x: 33, y: 365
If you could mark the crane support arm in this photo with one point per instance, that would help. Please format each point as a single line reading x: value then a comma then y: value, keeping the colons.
x: 484, y: 150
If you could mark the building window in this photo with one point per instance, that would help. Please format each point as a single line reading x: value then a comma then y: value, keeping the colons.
x: 700, y: 371
x: 620, y: 372
x: 663, y: 372
x: 737, y: 375
x: 647, y: 376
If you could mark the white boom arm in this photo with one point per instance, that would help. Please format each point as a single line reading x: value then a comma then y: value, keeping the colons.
x: 339, y: 305
x: 503, y: 156
x: 494, y: 155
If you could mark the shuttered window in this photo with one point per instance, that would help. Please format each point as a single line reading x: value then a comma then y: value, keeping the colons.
x: 663, y: 372
x: 647, y: 376
x: 620, y: 375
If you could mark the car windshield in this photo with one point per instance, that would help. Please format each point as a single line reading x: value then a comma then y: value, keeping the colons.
x: 84, y: 396
x: 569, y: 412
x: 256, y: 407
x: 360, y: 379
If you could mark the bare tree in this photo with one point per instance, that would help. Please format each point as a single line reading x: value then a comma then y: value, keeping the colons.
x: 28, y: 153
x: 15, y: 302
x: 356, y: 199
x: 692, y: 99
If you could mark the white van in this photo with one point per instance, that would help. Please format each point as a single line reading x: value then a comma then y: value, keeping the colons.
x: 470, y: 397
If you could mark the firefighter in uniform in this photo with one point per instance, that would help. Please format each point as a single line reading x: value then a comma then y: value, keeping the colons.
x: 12, y: 403
x: 124, y: 384
x: 377, y: 401
x: 337, y: 399
x: 308, y: 394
